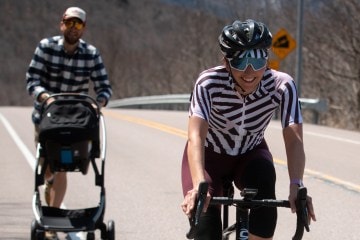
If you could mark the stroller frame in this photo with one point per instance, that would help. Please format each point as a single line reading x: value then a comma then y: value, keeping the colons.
x: 65, y: 220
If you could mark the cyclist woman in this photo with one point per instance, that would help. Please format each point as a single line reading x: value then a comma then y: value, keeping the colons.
x: 231, y: 106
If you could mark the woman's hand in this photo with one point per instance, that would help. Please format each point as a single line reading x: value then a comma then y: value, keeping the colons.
x: 292, y: 199
x: 188, y: 203
x: 311, y: 211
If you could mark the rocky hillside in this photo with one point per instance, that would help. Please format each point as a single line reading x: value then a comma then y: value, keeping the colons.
x: 159, y: 46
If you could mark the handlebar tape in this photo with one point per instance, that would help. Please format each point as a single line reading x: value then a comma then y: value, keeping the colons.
x: 199, y: 203
x: 301, y: 213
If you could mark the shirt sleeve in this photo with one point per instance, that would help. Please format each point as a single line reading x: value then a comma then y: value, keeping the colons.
x: 200, y: 104
x: 290, y: 106
x: 35, y: 73
x: 100, y: 79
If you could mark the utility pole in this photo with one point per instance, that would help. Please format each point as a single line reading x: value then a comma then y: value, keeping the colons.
x: 299, y: 34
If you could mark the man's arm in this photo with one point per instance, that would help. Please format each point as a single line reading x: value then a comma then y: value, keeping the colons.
x: 101, y: 81
x: 37, y: 71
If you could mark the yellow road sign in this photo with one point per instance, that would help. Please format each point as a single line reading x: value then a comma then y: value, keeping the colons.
x: 274, y: 64
x: 283, y: 43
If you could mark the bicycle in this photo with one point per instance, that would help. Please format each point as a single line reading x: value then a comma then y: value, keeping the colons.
x: 243, y: 205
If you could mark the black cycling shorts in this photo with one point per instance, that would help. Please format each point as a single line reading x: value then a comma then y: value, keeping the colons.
x: 254, y: 169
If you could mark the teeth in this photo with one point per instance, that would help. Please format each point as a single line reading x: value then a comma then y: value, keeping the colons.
x: 248, y: 79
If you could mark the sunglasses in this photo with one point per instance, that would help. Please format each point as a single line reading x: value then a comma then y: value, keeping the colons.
x: 73, y: 23
x: 241, y: 64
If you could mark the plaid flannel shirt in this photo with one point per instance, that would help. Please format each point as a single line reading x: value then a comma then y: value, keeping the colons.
x: 52, y: 70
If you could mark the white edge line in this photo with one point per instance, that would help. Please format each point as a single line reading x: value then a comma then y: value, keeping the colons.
x: 333, y: 138
x: 30, y: 159
x: 323, y: 136
x: 24, y: 150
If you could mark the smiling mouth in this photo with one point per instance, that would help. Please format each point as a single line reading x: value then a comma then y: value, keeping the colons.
x: 249, y: 80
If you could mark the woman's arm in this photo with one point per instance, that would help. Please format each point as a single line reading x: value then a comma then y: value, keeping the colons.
x: 197, y: 131
x: 293, y: 138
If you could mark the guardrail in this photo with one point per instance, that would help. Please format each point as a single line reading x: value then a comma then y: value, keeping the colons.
x: 150, y: 100
x: 181, y: 101
x: 316, y: 105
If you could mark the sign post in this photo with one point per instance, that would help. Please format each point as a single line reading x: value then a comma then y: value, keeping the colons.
x: 298, y: 75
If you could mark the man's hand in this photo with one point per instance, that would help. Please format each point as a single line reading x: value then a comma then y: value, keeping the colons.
x: 45, y: 98
x: 101, y: 101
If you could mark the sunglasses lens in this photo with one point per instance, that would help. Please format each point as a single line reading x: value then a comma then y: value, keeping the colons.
x: 68, y: 24
x: 77, y: 25
x: 242, y: 63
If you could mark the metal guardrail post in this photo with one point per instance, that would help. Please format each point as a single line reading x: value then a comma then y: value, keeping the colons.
x: 316, y: 105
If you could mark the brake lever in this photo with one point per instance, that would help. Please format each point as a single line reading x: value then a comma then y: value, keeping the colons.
x: 195, y: 215
x: 302, y: 205
x: 302, y: 220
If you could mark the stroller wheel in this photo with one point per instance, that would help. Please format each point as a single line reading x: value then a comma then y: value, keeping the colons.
x: 111, y: 230
x: 33, y: 229
x: 36, y: 234
x: 90, y: 236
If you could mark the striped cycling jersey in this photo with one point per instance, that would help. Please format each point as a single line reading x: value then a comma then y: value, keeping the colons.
x: 237, y: 124
x: 52, y: 70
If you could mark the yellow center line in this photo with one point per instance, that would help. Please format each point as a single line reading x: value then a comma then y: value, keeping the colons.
x: 181, y: 133
x: 151, y: 124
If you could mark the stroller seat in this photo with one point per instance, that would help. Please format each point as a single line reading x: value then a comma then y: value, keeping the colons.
x: 69, y: 135
x: 76, y: 219
x: 68, y: 157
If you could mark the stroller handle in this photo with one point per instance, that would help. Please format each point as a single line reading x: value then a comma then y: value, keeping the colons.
x: 72, y: 96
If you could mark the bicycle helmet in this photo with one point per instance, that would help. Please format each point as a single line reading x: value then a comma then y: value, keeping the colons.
x: 240, y: 36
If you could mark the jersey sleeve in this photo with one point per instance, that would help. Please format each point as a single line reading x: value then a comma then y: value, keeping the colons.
x: 290, y: 106
x: 200, y: 102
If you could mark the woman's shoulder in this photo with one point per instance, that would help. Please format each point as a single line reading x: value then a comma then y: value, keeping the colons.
x: 218, y: 73
x: 278, y: 81
x: 215, y: 70
x: 279, y: 76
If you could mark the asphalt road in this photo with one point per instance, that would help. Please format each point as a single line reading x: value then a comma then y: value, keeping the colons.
x: 144, y: 150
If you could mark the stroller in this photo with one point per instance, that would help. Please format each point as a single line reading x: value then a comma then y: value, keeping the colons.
x: 69, y: 140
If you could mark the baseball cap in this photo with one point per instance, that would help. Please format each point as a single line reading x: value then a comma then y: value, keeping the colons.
x: 74, y: 12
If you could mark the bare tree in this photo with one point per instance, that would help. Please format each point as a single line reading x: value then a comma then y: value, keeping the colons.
x: 159, y: 47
